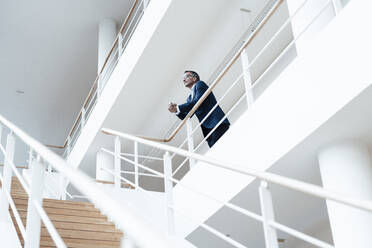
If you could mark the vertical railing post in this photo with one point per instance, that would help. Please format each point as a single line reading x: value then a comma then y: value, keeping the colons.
x: 136, y: 178
x: 36, y: 193
x: 337, y: 6
x: 168, y: 186
x: 190, y: 141
x: 99, y: 85
x: 1, y: 135
x: 68, y: 146
x: 7, y: 175
x: 62, y: 187
x: 83, y: 118
x: 30, y: 158
x: 247, y: 77
x: 117, y: 162
x: 120, y: 44
x: 267, y: 210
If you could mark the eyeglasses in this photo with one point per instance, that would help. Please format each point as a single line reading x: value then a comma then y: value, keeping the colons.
x: 186, y: 76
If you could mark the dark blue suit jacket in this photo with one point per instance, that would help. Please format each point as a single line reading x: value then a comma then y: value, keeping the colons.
x: 199, y: 88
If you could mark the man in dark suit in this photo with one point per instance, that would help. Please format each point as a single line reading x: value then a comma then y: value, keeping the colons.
x: 192, y: 81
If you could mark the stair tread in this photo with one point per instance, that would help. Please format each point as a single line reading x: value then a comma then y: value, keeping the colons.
x: 79, y: 224
x: 59, y: 204
x: 68, y: 218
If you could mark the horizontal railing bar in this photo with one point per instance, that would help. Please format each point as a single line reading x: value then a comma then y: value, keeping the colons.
x: 300, y: 235
x: 140, y: 174
x: 49, y: 226
x: 222, y: 236
x: 122, y: 216
x: 133, y: 163
x: 75, y: 196
x: 240, y: 169
x: 141, y: 156
x: 109, y: 182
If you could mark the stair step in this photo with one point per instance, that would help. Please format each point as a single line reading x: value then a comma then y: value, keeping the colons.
x: 72, y: 219
x: 63, y: 211
x: 80, y: 243
x: 97, y: 227
x: 79, y: 224
x: 59, y: 204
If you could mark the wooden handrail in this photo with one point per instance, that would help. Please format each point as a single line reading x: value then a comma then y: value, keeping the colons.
x: 123, y: 26
x: 217, y: 80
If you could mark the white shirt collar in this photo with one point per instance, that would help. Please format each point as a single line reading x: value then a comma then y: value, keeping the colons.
x: 192, y: 90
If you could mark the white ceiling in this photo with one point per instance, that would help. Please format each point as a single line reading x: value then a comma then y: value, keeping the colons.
x: 48, y: 49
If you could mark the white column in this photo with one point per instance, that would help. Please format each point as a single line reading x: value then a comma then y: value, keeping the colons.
x: 106, y: 37
x: 346, y: 168
x: 104, y: 160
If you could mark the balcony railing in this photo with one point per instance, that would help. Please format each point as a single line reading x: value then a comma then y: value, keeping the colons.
x: 247, y: 97
x: 41, y: 160
x: 119, y: 45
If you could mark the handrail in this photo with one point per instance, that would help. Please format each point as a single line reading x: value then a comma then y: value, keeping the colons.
x: 96, y: 80
x: 123, y: 216
x: 266, y: 176
x: 219, y: 77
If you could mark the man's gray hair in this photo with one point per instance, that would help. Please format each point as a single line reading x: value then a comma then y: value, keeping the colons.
x: 194, y: 74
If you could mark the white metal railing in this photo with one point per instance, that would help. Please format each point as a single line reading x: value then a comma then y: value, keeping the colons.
x: 123, y: 37
x: 123, y: 217
x: 270, y: 226
x: 247, y: 98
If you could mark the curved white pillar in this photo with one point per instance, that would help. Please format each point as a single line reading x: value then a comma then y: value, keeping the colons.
x: 346, y: 168
x: 104, y: 160
x: 106, y: 37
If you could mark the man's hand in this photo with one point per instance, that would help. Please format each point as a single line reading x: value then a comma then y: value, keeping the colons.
x: 172, y: 107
